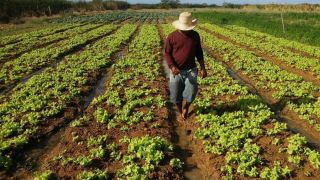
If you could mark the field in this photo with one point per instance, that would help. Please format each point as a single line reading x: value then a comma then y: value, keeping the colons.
x: 301, y: 27
x: 87, y: 97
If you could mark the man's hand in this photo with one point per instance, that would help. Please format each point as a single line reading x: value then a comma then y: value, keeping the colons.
x: 175, y: 70
x: 203, y: 73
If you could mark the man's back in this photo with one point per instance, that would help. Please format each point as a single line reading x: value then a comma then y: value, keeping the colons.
x: 183, y: 47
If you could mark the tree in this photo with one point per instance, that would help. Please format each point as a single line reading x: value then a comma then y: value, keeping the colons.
x: 170, y: 3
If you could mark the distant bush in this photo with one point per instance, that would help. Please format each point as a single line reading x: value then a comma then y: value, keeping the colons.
x: 12, y: 9
x: 17, y: 8
x: 288, y: 7
x: 100, y: 5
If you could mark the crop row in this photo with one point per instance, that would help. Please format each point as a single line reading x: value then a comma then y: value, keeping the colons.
x: 12, y: 50
x: 271, y: 49
x: 34, y: 34
x: 16, y: 69
x: 121, y: 129
x: 276, y: 84
x: 33, y: 106
x: 238, y: 126
x: 285, y: 43
x: 107, y: 17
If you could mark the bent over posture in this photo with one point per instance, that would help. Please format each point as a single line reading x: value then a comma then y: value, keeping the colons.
x: 181, y: 48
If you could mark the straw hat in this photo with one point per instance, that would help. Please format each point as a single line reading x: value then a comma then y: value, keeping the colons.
x: 185, y: 22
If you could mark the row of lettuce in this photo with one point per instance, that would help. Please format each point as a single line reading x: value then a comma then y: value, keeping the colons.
x: 311, y: 50
x: 238, y: 126
x: 271, y: 48
x: 16, y: 69
x: 11, y: 39
x: 63, y: 24
x: 33, y: 105
x: 122, y: 130
x: 299, y: 96
x: 102, y: 18
x: 9, y: 51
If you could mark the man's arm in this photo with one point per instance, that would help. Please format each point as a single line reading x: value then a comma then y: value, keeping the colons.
x: 200, y: 58
x: 169, y: 57
x: 168, y: 52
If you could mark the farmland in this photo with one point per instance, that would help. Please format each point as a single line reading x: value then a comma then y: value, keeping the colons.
x: 87, y: 98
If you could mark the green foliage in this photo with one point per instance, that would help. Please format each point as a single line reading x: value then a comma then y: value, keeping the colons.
x: 176, y: 163
x: 278, y: 128
x: 93, y: 175
x: 297, y: 147
x: 314, y: 158
x: 276, y: 173
x: 79, y: 122
x: 247, y: 159
x: 97, y: 141
x: 98, y: 152
x: 17, y: 8
x: 266, y: 75
x: 147, y: 149
x: 47, y: 175
x: 50, y: 92
x: 102, y: 116
x: 298, y: 30
x: 5, y: 161
x: 296, y: 144
x: 231, y: 119
x: 155, y: 125
x: 275, y: 141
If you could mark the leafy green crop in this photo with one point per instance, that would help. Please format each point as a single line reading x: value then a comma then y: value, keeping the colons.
x: 93, y: 175
x: 50, y: 92
x: 102, y: 116
x: 47, y: 175
x: 176, y: 163
x: 275, y: 173
x: 146, y: 149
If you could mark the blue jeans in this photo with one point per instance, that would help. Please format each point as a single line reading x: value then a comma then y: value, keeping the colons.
x: 183, y: 86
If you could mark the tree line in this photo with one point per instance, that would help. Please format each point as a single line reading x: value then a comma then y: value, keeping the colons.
x: 10, y: 9
x: 14, y: 9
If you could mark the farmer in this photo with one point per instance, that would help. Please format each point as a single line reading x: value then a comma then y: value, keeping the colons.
x: 181, y: 48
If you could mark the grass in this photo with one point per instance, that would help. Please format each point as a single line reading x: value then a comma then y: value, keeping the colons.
x: 301, y: 27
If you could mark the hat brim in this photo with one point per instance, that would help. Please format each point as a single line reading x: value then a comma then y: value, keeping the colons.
x: 183, y: 27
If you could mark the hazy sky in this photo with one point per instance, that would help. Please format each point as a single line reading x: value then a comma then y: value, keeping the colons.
x: 219, y: 2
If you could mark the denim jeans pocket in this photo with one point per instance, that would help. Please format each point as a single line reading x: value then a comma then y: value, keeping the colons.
x: 193, y: 75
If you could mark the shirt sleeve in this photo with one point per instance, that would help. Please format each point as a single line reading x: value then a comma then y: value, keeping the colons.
x: 168, y: 49
x: 199, y: 51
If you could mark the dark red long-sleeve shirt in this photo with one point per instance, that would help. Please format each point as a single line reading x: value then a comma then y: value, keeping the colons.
x: 182, y: 49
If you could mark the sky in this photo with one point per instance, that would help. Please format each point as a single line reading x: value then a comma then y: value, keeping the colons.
x: 219, y: 2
